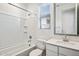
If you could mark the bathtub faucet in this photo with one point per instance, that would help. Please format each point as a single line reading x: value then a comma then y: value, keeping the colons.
x: 29, y: 41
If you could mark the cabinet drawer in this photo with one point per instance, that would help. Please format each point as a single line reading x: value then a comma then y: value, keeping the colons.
x: 51, y: 47
x: 50, y: 53
x: 68, y: 52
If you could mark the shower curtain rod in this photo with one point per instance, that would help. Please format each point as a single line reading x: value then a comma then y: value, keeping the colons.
x: 19, y: 7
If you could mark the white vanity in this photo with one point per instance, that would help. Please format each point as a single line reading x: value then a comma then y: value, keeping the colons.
x: 55, y: 47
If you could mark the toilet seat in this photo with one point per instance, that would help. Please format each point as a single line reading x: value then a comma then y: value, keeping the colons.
x: 36, y: 52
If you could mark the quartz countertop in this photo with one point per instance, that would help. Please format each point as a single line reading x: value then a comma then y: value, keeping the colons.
x: 59, y: 42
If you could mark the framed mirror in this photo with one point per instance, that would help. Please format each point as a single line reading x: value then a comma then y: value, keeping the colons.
x: 45, y: 16
x: 65, y: 19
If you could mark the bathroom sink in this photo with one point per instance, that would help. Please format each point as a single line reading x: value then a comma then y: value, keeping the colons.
x: 63, y: 42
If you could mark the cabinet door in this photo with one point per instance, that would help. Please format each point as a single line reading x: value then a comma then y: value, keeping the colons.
x: 51, y: 47
x: 68, y: 52
x: 51, y: 50
x: 50, y: 53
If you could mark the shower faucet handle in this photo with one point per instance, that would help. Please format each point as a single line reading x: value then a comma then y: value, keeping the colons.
x: 30, y: 37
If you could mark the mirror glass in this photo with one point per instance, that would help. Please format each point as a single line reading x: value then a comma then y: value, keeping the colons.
x: 45, y: 16
x: 65, y: 18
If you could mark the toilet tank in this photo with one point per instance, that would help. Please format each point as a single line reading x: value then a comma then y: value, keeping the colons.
x: 40, y: 44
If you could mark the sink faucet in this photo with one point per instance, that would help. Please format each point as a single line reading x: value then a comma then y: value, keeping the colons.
x: 65, y: 39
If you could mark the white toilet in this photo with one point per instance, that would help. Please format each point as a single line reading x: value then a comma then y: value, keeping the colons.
x: 39, y: 50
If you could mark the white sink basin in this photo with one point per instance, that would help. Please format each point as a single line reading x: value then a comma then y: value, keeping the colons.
x: 63, y: 42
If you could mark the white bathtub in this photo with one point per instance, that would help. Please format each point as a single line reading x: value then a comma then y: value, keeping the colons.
x: 26, y: 52
x: 20, y: 50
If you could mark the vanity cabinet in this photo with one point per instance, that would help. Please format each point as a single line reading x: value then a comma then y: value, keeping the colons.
x: 68, y: 52
x: 52, y: 50
x: 50, y: 53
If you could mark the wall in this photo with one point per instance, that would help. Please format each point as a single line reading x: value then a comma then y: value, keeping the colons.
x: 32, y: 22
x: 33, y: 28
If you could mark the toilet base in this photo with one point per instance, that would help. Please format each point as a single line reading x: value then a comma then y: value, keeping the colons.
x: 36, y: 52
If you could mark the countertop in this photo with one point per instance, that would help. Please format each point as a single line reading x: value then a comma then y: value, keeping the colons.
x: 71, y: 44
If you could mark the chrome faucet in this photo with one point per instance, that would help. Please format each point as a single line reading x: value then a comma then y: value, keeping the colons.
x: 29, y: 41
x: 65, y: 39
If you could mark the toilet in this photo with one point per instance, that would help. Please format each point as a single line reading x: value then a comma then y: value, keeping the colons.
x: 36, y: 52
x: 39, y: 50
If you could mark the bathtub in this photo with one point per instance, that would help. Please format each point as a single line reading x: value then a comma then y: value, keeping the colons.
x: 19, y: 50
x: 26, y: 52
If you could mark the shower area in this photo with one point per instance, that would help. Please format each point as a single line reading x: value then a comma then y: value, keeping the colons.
x: 14, y: 31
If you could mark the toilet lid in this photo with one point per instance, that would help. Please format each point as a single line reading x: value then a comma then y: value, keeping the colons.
x: 36, y: 52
